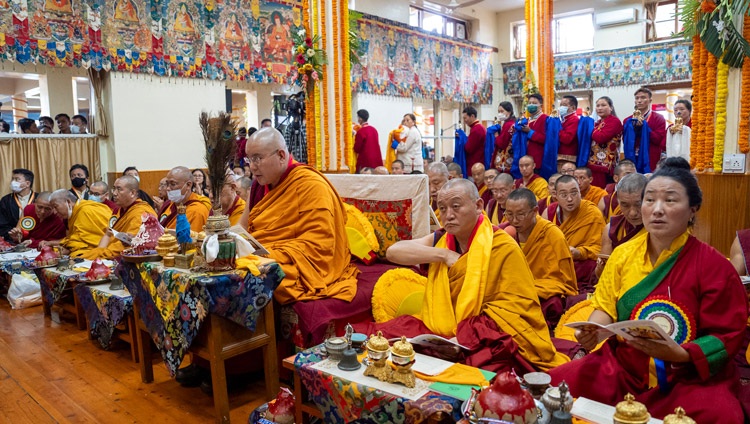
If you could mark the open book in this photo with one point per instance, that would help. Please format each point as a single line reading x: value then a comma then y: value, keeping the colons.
x: 433, y: 341
x: 628, y: 330
x: 259, y: 249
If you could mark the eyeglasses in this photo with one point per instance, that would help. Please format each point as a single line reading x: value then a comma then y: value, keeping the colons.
x: 257, y: 159
x: 520, y: 216
x: 571, y: 195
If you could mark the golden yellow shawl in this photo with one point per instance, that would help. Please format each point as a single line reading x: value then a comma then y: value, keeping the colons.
x: 127, y: 222
x: 86, y: 226
x: 549, y: 258
x: 583, y: 229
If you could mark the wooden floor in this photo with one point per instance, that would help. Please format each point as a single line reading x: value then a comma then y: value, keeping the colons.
x: 53, y: 373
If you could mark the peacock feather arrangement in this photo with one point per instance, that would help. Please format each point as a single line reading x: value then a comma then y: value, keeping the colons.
x: 218, y: 134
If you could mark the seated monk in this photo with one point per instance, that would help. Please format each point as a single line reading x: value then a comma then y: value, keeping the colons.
x: 437, y: 174
x: 99, y: 192
x: 454, y: 170
x: 180, y: 192
x: 87, y: 221
x: 608, y: 205
x: 478, y: 174
x: 489, y: 177
x: 544, y: 203
x: 629, y: 223
x: 589, y: 192
x: 692, y: 289
x: 501, y: 188
x: 232, y: 204
x: 529, y: 179
x: 127, y: 219
x: 739, y: 253
x: 582, y: 223
x: 310, y: 243
x: 546, y: 252
x: 38, y: 223
x: 478, y: 284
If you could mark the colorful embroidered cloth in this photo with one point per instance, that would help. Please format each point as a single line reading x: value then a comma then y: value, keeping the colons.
x: 342, y: 401
x: 54, y: 282
x: 13, y: 263
x: 105, y: 309
x: 173, y: 303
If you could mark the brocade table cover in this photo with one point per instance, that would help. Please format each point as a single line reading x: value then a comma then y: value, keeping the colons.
x: 54, y: 282
x: 343, y: 401
x: 173, y: 303
x: 105, y: 309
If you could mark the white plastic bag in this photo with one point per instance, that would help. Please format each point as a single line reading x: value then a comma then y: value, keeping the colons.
x: 24, y: 291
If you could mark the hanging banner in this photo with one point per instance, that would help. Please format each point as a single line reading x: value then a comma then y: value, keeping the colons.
x: 636, y: 66
x: 400, y: 60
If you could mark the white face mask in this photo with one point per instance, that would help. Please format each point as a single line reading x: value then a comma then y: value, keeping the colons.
x: 137, y: 178
x: 15, y: 186
x: 174, y: 196
x: 563, y: 110
x: 502, y: 117
x: 74, y: 129
x: 70, y: 211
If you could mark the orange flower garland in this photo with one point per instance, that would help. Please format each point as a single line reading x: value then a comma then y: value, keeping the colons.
x: 744, y: 130
x: 696, y: 142
x: 722, y: 92
x: 337, y: 86
x: 351, y: 160
x: 310, y: 99
x: 324, y: 91
x: 708, y: 149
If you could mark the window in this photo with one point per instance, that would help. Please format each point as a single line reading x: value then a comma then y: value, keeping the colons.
x: 573, y: 33
x: 437, y: 23
x: 519, y: 40
x: 665, y: 18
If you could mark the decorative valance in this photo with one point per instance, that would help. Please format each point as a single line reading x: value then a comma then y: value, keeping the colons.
x: 400, y: 60
x: 644, y: 65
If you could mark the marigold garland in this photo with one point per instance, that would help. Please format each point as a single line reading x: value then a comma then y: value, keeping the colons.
x: 697, y: 118
x: 722, y: 91
x: 324, y: 92
x: 744, y: 129
x: 338, y: 135
x: 318, y: 96
x: 710, y: 91
x: 351, y: 160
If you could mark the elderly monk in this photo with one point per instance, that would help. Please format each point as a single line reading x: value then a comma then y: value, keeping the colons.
x: 310, y: 244
x: 454, y: 171
x: 99, y: 192
x: 232, y: 205
x: 627, y: 225
x: 582, y: 224
x: 87, y: 221
x: 501, y: 188
x: 127, y: 220
x: 38, y: 223
x: 478, y: 284
x: 544, y: 203
x: 243, y: 189
x: 489, y: 177
x: 437, y: 175
x: 180, y: 192
x: 608, y: 205
x: 529, y: 179
x: 546, y: 252
x: 477, y: 174
x: 588, y: 192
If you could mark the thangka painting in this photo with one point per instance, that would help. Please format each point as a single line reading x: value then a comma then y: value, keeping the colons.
x: 651, y: 64
x: 400, y: 60
x: 217, y: 39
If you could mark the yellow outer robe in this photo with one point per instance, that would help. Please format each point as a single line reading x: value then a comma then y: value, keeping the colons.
x: 539, y: 187
x: 196, y: 212
x: 583, y: 229
x: 302, y: 223
x: 549, y: 258
x: 127, y: 222
x: 236, y: 211
x: 86, y: 227
x: 510, y: 300
x: 595, y: 194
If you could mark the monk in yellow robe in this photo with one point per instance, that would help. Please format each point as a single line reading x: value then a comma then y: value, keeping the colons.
x: 232, y: 205
x: 477, y: 277
x: 477, y: 174
x: 127, y: 220
x: 299, y: 218
x: 502, y: 185
x: 609, y: 205
x: 529, y: 179
x: 437, y: 174
x: 589, y: 192
x: 544, y: 203
x: 87, y: 221
x: 546, y: 252
x: 180, y: 192
x: 582, y: 224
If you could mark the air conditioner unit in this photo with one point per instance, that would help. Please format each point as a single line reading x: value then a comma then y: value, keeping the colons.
x: 616, y: 17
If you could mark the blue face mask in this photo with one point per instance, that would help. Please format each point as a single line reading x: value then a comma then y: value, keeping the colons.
x: 532, y: 109
x: 95, y: 198
x: 563, y: 110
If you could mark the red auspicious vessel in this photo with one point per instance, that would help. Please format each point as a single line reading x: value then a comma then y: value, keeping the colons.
x: 281, y: 409
x: 98, y: 271
x: 47, y: 257
x: 507, y: 401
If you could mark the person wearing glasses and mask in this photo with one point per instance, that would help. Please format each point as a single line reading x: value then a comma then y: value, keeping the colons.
x: 546, y: 251
x: 299, y: 218
x: 99, y: 192
x: 582, y: 224
x: 180, y: 192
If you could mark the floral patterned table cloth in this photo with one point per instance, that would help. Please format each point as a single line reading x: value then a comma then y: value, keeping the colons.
x: 173, y: 303
x: 105, y: 309
x: 54, y: 282
x: 343, y: 401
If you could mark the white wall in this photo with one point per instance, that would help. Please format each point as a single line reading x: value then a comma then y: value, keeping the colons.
x: 155, y: 120
x: 385, y: 113
x: 395, y: 10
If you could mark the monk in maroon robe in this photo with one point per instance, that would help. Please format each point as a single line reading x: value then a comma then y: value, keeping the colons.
x: 38, y: 223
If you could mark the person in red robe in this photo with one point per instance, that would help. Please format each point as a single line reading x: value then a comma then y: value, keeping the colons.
x: 656, y: 123
x: 739, y: 253
x: 536, y: 129
x: 568, y: 150
x: 502, y: 158
x: 38, y: 223
x: 474, y: 147
x: 605, y: 142
x: 696, y: 294
x: 366, y: 144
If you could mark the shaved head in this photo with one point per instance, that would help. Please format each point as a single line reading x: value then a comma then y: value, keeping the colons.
x: 463, y: 184
x: 62, y: 195
x: 100, y: 185
x: 503, y: 179
x: 126, y: 191
x: 268, y: 155
x: 380, y: 170
x: 129, y: 182
x: 454, y: 170
x: 180, y: 173
x: 526, y: 165
x: 437, y: 174
x: 269, y: 138
x: 438, y: 168
x: 43, y: 196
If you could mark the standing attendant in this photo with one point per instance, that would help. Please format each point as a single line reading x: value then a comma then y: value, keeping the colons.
x: 409, y: 151
x: 656, y: 124
x: 502, y: 158
x: 605, y: 142
x: 568, y: 150
x: 474, y: 147
x: 366, y: 144
x: 536, y: 129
